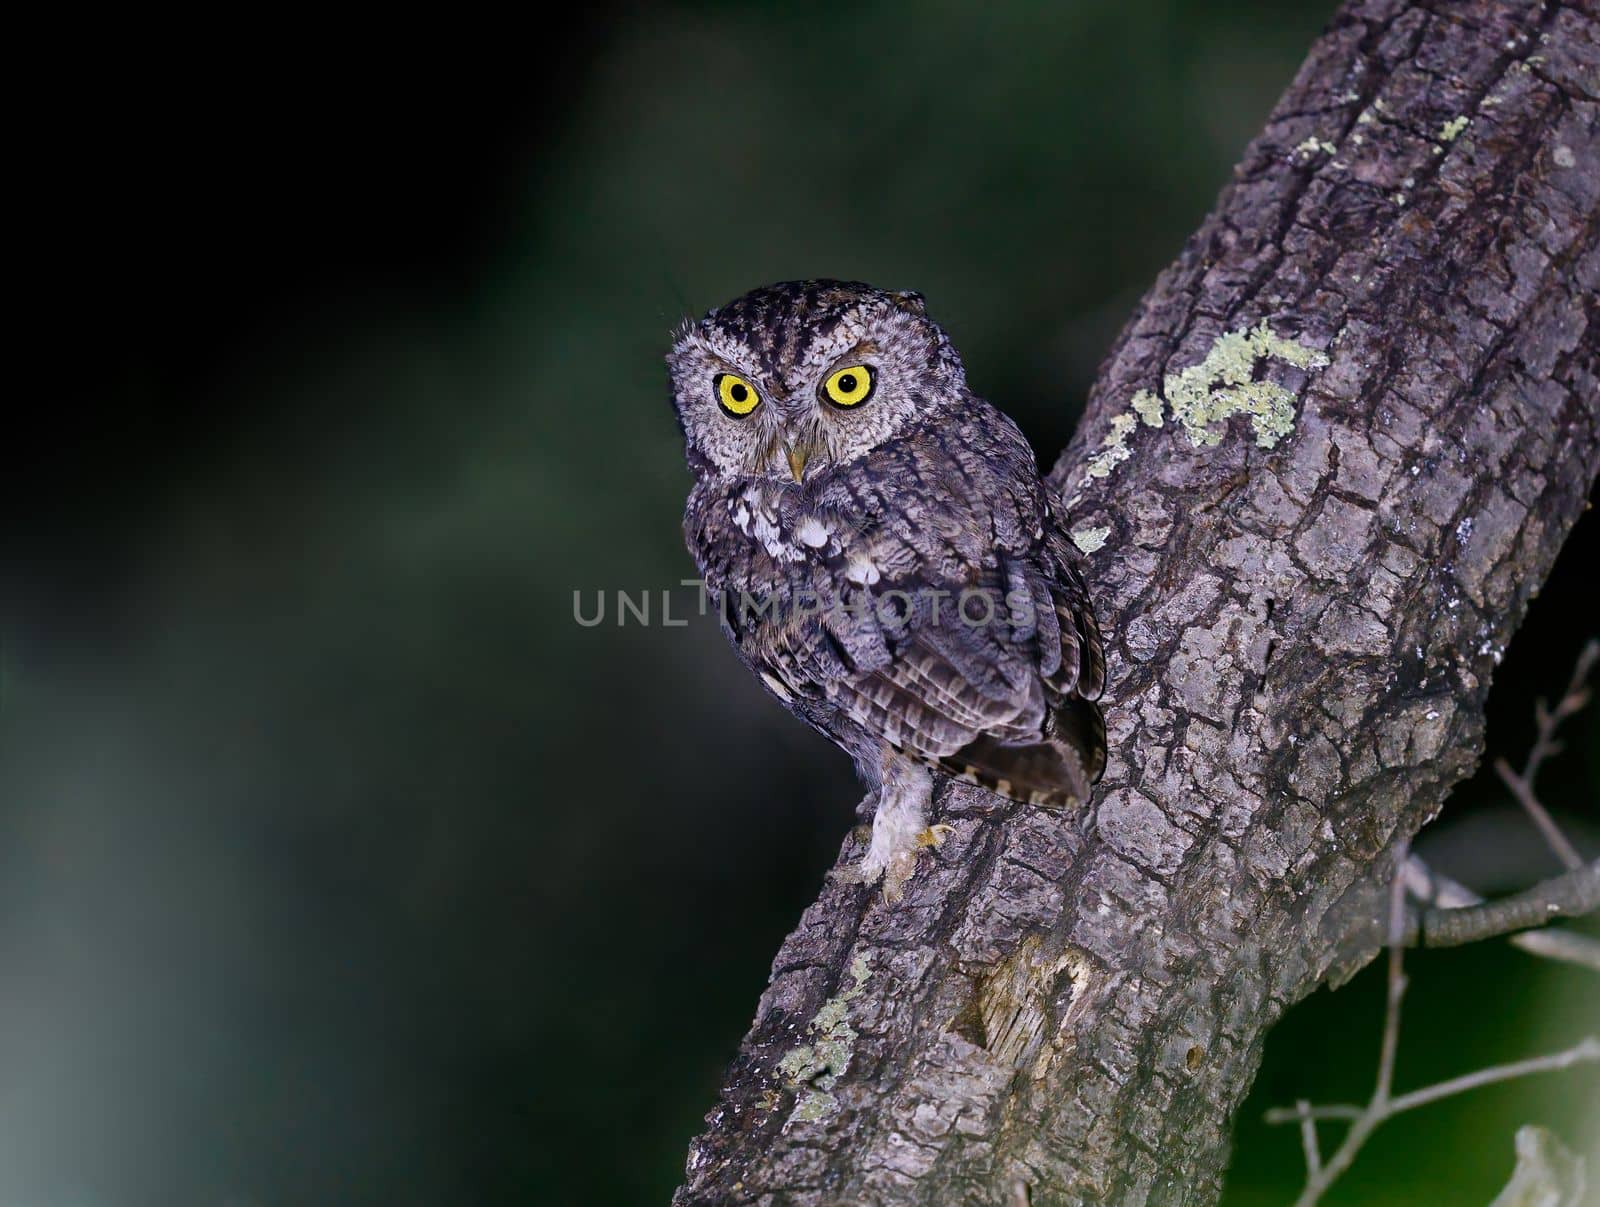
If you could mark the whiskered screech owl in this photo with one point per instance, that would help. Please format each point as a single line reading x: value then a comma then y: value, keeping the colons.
x: 883, y: 554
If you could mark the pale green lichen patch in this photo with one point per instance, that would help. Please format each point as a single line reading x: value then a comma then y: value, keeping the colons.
x: 813, y: 1107
x: 1452, y: 129
x: 1148, y: 407
x: 1204, y: 396
x: 1316, y: 144
x: 814, y: 1068
x: 1114, y: 448
x: 1090, y: 539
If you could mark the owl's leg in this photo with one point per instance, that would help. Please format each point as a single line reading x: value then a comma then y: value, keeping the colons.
x: 899, y: 828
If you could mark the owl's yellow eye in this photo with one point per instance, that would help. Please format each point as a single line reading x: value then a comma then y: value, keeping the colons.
x: 734, y: 394
x: 848, y: 387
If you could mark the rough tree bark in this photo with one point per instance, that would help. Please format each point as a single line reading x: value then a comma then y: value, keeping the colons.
x: 1325, y: 466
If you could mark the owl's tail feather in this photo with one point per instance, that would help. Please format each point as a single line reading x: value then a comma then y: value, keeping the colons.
x: 1057, y: 772
x: 1082, y: 725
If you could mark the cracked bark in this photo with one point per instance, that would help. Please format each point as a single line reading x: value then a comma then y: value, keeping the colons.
x: 1301, y: 634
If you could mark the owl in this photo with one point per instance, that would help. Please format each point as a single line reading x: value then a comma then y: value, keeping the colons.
x: 883, y: 556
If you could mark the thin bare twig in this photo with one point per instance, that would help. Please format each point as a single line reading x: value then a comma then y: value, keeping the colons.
x: 1308, y: 1137
x: 1554, y: 943
x: 1585, y: 1051
x: 1545, y: 744
x: 1318, y: 1179
x: 1390, y: 1048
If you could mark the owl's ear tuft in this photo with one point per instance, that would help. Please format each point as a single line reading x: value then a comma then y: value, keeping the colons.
x: 683, y: 334
x: 911, y: 301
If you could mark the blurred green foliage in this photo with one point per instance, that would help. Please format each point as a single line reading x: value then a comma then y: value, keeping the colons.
x: 355, y: 871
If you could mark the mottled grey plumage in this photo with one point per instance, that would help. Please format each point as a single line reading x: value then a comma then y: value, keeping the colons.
x: 882, y: 550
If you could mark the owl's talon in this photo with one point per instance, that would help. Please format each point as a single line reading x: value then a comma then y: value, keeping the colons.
x: 854, y: 873
x: 935, y: 835
x: 895, y: 877
x: 894, y: 872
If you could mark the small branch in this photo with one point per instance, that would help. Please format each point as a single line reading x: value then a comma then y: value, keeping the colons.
x: 1564, y: 945
x: 1397, y: 975
x: 1580, y: 887
x: 1454, y: 915
x: 1436, y: 889
x: 1308, y: 1138
x: 1291, y: 1114
x: 1320, y: 1177
x: 1585, y: 1051
x: 1569, y: 896
x: 1544, y: 745
x: 1522, y: 789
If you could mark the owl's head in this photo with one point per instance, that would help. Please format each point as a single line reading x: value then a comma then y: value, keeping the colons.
x: 792, y: 378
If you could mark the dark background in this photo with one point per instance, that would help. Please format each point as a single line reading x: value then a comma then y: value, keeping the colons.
x: 338, y: 864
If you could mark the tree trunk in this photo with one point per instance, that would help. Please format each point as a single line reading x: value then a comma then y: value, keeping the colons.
x: 1324, y: 468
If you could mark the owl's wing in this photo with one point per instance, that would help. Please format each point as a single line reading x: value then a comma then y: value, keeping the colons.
x: 1057, y: 765
x: 989, y: 673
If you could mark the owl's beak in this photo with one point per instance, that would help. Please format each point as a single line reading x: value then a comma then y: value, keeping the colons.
x: 798, y: 456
